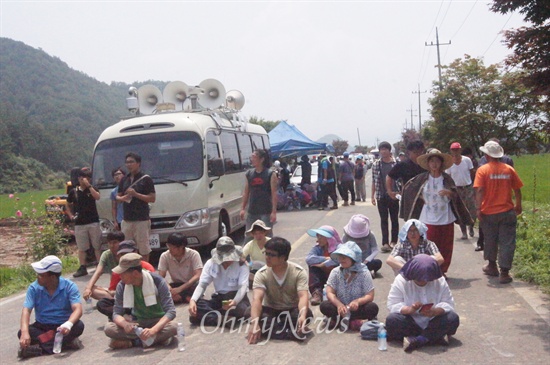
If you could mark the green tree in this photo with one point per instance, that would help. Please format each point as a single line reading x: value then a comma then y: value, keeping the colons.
x: 340, y: 146
x: 479, y: 103
x: 267, y: 124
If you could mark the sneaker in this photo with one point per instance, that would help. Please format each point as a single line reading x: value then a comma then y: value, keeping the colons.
x: 385, y: 248
x: 334, y: 207
x: 479, y: 247
x: 505, y: 277
x: 352, y: 202
x: 410, y: 344
x: 471, y: 231
x: 464, y: 236
x: 490, y: 269
x: 75, y: 344
x: 29, y: 351
x: 80, y: 272
x: 120, y: 344
x: 321, y: 208
x: 441, y: 341
x: 345, y: 204
x: 316, y: 297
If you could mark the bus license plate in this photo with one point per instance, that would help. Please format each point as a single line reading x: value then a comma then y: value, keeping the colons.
x: 154, y: 241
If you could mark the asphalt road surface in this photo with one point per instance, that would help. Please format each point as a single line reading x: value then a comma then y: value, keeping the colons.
x: 499, y: 324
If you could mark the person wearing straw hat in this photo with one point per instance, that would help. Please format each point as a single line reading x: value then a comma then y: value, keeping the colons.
x: 319, y: 262
x: 230, y: 277
x: 350, y: 290
x: 358, y: 231
x: 57, y: 306
x: 421, y: 305
x: 494, y: 184
x: 432, y: 198
x: 254, y: 250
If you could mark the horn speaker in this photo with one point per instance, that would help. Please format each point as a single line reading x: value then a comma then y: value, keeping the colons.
x: 176, y: 92
x: 234, y: 99
x: 214, y: 94
x: 148, y: 98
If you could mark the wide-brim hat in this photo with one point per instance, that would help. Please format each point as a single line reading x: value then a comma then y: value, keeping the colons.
x: 226, y: 251
x: 323, y: 231
x: 358, y: 226
x: 258, y: 224
x: 492, y: 149
x: 49, y: 263
x: 423, y: 159
x: 349, y: 249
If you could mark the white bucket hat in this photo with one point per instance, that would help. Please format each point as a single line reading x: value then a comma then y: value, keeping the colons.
x: 492, y: 149
x: 226, y: 251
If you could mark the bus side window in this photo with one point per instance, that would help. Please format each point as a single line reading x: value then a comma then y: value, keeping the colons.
x: 212, y: 151
x: 245, y: 148
x: 230, y: 152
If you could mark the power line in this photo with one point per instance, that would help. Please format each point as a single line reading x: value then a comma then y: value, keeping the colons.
x: 498, y: 34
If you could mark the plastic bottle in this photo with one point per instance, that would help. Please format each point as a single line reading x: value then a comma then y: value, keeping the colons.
x: 181, y: 337
x: 382, y: 338
x: 89, y: 307
x: 57, y: 342
x: 146, y: 343
x: 325, y: 292
x: 345, y: 320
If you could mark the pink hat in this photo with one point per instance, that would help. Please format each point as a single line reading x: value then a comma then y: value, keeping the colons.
x: 358, y: 226
x: 455, y: 146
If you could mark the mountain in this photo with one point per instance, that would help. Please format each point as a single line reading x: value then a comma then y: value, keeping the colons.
x: 328, y: 138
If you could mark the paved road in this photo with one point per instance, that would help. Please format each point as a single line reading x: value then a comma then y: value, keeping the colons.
x: 499, y: 323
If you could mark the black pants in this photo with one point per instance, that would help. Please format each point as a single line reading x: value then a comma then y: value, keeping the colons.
x: 212, y: 309
x: 348, y: 186
x: 279, y: 324
x: 317, y: 278
x: 374, y: 265
x: 367, y: 311
x: 186, y: 294
x: 328, y: 189
x: 36, y: 329
x: 399, y: 325
x: 388, y: 206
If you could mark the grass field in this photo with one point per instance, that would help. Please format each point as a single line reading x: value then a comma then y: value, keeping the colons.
x: 534, y: 171
x: 9, y: 206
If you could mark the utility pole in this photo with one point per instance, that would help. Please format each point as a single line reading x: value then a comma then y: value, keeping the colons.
x: 438, y: 57
x: 358, y: 137
x: 411, y: 110
x: 419, y: 109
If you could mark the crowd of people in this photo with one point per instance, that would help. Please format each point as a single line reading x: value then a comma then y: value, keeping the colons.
x: 429, y: 190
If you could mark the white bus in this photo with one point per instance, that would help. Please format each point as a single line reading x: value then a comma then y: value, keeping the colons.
x: 197, y: 160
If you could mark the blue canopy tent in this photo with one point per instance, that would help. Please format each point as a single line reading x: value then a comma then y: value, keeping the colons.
x: 287, y: 140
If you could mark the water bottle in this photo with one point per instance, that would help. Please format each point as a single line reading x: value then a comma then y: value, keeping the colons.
x: 89, y: 308
x: 382, y: 338
x: 325, y: 292
x: 181, y: 337
x: 57, y: 342
x: 146, y: 343
x: 345, y: 320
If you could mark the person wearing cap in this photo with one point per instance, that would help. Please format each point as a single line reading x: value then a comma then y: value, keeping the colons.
x: 497, y: 213
x: 105, y: 305
x: 83, y: 211
x: 402, y: 157
x: 57, y: 306
x: 230, y: 277
x: 147, y: 296
x: 280, y: 289
x: 107, y: 262
x: 421, y: 305
x: 350, y: 289
x: 254, y: 250
x: 463, y: 173
x: 184, y: 265
x: 346, y: 179
x: 387, y: 206
x: 412, y: 242
x: 432, y: 198
x: 403, y: 171
x: 358, y: 231
x: 359, y: 172
x: 326, y: 179
x: 319, y: 262
x: 137, y: 191
x: 260, y: 191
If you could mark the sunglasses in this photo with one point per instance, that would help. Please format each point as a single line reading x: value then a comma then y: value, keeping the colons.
x: 272, y: 254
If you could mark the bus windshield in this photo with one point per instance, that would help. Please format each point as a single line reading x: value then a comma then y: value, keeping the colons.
x: 166, y: 157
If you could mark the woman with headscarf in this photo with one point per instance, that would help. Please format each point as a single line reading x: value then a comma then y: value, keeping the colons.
x: 350, y: 290
x: 358, y: 231
x: 319, y: 262
x: 432, y: 198
x: 230, y: 277
x: 421, y: 305
x: 412, y: 241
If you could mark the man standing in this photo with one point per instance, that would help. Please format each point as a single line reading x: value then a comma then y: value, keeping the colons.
x: 345, y: 176
x: 404, y: 171
x: 184, y: 265
x: 58, y: 309
x: 280, y: 288
x: 359, y: 176
x: 148, y: 296
x: 137, y: 191
x: 497, y: 213
x: 463, y: 173
x: 326, y: 180
x: 381, y: 198
x: 83, y: 211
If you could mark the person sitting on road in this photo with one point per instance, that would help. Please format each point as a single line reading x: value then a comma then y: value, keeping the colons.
x: 319, y: 262
x: 280, y: 288
x: 421, y: 305
x: 184, y: 265
x: 230, y: 277
x: 107, y: 262
x: 105, y: 305
x: 412, y: 241
x: 148, y: 297
x: 350, y: 290
x: 254, y: 250
x: 57, y: 305
x: 358, y: 231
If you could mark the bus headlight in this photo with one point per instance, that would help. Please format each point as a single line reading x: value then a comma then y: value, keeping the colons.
x: 106, y: 226
x: 194, y: 218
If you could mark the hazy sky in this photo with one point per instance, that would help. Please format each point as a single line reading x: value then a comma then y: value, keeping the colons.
x: 326, y: 67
